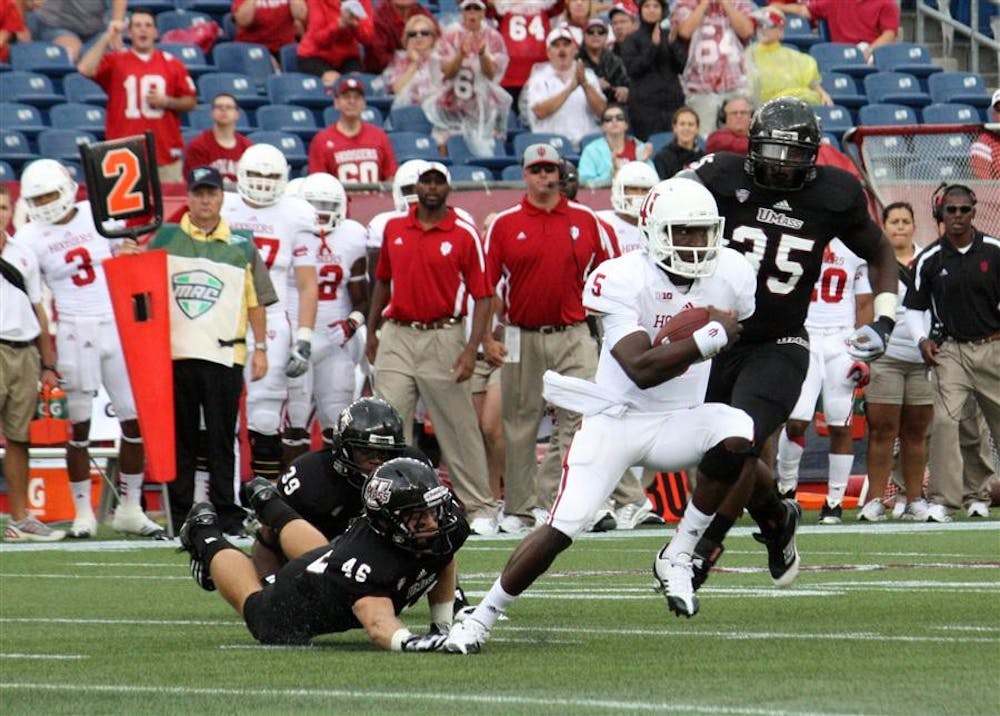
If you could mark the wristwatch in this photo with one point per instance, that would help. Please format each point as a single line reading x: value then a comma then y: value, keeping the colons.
x: 262, y: 347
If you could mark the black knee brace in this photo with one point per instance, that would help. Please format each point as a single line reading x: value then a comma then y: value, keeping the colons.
x: 724, y: 465
x: 265, y: 453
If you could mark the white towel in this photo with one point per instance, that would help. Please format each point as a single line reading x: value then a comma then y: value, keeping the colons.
x: 580, y: 396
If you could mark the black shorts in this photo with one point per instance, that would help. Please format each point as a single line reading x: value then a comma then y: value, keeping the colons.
x: 763, y: 379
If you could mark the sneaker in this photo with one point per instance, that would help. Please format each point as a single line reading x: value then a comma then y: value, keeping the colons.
x: 626, y: 516
x: 130, y: 519
x: 916, y: 511
x: 706, y: 554
x: 466, y: 637
x: 977, y: 508
x: 483, y: 526
x: 831, y: 513
x: 604, y: 521
x: 899, y: 508
x: 541, y: 516
x: 257, y: 492
x: 873, y: 511
x: 512, y: 525
x: 31, y: 530
x: 782, y: 556
x: 674, y: 579
x: 84, y: 526
x: 938, y: 513
x: 202, y: 515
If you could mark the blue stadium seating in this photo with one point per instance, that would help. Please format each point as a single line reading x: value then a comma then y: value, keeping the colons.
x: 7, y: 172
x: 659, y: 140
x: 189, y: 133
x: 289, y: 144
x: 588, y: 138
x: 931, y: 170
x: 834, y: 119
x: 832, y: 140
x: 895, y: 88
x: 45, y: 57
x: 298, y: 88
x: 840, y: 57
x: 843, y: 90
x: 76, y: 115
x: 905, y: 57
x: 415, y: 145
x: 173, y: 19
x: 29, y: 88
x: 459, y: 153
x: 950, y: 113
x: 889, y: 148
x: 886, y: 114
x: 799, y: 33
x: 408, y: 119
x: 512, y: 173
x: 287, y: 57
x: 22, y: 117
x: 963, y: 87
x: 83, y: 89
x: 525, y: 139
x: 952, y: 147
x: 470, y: 173
x: 200, y: 118
x: 210, y: 7
x: 191, y: 55
x: 62, y: 143
x: 287, y: 118
x: 15, y: 149
x: 372, y: 115
x: 244, y: 58
x: 238, y: 85
x: 75, y: 170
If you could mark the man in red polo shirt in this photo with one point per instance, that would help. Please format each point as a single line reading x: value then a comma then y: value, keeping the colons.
x: 431, y: 260
x: 542, y: 250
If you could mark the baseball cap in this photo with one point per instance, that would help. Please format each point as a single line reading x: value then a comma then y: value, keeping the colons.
x: 995, y: 102
x: 597, y: 22
x: 204, y: 176
x: 350, y: 84
x: 621, y: 7
x: 541, y: 153
x: 561, y: 33
x: 434, y: 167
x: 472, y: 3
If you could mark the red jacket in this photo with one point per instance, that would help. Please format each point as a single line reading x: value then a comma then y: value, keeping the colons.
x: 326, y: 40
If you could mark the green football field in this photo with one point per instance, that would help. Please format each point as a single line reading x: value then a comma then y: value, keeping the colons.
x: 884, y: 619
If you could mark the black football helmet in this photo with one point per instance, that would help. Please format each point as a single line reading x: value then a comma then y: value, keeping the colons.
x: 784, y: 141
x: 394, y: 496
x: 371, y: 425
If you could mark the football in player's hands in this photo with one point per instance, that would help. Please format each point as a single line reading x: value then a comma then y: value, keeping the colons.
x: 683, y: 325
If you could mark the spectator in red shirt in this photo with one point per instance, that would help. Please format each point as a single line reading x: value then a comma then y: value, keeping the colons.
x: 733, y: 134
x: 268, y: 22
x: 221, y: 146
x: 335, y: 31
x: 865, y: 23
x: 354, y: 151
x: 11, y: 25
x: 985, y: 150
x: 390, y: 18
x: 148, y: 90
x: 543, y: 248
x: 431, y: 261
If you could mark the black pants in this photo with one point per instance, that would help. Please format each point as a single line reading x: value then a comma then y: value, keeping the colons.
x: 213, y: 390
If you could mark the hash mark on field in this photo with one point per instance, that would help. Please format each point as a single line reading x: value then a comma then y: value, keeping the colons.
x: 55, y: 657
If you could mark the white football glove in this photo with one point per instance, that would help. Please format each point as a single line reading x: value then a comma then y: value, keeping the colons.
x: 298, y: 359
x: 344, y: 330
x: 868, y: 342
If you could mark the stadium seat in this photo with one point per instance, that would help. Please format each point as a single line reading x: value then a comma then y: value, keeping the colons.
x: 889, y: 148
x: 470, y: 173
x: 408, y: 119
x: 840, y: 57
x: 45, y: 57
x: 905, y: 57
x: 372, y: 115
x: 459, y: 153
x: 880, y: 115
x: 83, y: 89
x: 7, y: 172
x: 174, y: 19
x: 298, y: 88
x: 952, y: 147
x: 512, y: 173
x: 832, y: 140
x: 843, y: 90
x: 245, y: 58
x: 936, y: 170
x: 895, y: 88
x: 415, y: 145
x: 962, y: 87
x: 288, y: 57
x: 287, y: 118
x: 588, y: 138
x: 62, y: 144
x: 22, y: 117
x: 189, y: 133
x: 76, y: 115
x: 290, y: 145
x: 525, y: 139
x: 799, y: 32
x: 200, y: 118
x: 191, y: 55
x: 14, y: 148
x: 210, y: 7
x: 950, y: 113
x: 239, y: 86
x: 155, y: 7
x: 29, y: 88
x: 834, y: 119
x: 75, y: 170
x: 660, y: 139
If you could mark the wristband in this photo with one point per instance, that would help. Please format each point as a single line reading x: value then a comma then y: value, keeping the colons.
x: 262, y: 347
x: 710, y: 339
x: 304, y: 333
x: 398, y: 638
x: 442, y: 613
x: 885, y: 305
x: 357, y: 318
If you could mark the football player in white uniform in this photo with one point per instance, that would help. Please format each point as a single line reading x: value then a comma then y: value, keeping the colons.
x: 841, y: 300
x: 341, y: 267
x: 282, y: 230
x: 628, y: 189
x: 404, y: 195
x: 70, y: 252
x: 646, y: 404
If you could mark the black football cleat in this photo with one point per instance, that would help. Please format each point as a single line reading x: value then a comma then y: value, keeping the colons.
x: 201, y: 515
x: 706, y: 554
x: 258, y: 492
x: 782, y: 555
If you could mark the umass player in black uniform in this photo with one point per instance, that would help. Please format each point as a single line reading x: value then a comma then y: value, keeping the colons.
x: 400, y: 548
x: 781, y: 211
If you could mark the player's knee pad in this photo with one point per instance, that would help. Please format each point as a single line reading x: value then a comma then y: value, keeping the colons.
x: 265, y: 419
x: 724, y: 464
x: 265, y: 455
x: 79, y: 406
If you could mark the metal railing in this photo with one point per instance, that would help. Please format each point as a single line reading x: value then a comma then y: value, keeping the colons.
x: 950, y: 25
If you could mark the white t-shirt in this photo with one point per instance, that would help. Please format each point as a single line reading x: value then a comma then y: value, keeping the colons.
x: 17, y: 319
x: 574, y: 119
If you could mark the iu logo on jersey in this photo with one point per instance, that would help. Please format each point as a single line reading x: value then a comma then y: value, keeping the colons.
x: 196, y: 292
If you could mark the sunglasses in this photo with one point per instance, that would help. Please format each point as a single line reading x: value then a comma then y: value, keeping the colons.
x: 420, y: 33
x: 958, y: 209
x: 597, y: 31
x: 613, y: 118
x: 539, y: 168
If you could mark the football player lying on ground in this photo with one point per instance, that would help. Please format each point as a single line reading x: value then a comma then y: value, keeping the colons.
x: 400, y: 549
x: 646, y: 406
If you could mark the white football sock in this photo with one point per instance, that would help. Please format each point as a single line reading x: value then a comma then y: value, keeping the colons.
x: 200, y: 486
x: 840, y: 473
x: 493, y: 606
x: 131, y: 488
x: 690, y: 529
x: 81, y: 496
x: 789, y: 456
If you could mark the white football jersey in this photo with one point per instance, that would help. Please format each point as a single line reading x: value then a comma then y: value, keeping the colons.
x: 842, y: 277
x: 334, y: 255
x: 283, y: 235
x: 635, y: 294
x: 70, y: 257
x: 629, y: 236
